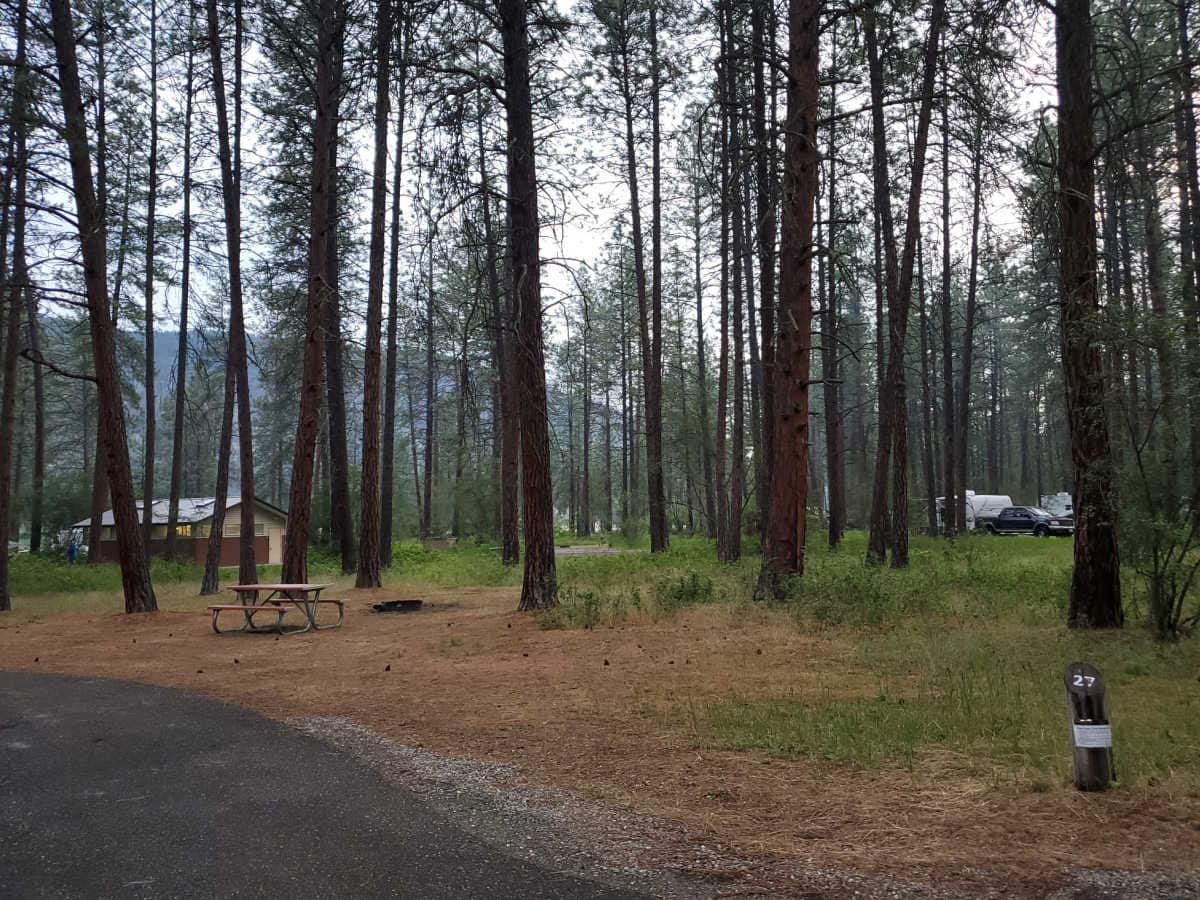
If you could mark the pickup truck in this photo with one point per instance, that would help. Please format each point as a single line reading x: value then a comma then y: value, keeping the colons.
x: 1029, y: 520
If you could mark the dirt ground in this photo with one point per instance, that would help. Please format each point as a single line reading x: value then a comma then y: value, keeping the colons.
x: 609, y: 715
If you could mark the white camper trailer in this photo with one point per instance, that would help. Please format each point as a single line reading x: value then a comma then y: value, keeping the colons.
x: 981, y: 508
x: 1059, y: 504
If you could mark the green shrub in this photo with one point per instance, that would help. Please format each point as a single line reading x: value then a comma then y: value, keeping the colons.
x: 676, y: 593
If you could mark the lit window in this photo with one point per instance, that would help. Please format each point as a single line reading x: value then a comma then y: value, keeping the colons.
x: 183, y: 530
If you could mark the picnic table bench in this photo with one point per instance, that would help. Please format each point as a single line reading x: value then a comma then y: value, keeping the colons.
x: 279, y: 600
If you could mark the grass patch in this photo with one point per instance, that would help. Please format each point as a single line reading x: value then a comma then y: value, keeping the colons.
x: 991, y: 696
x: 605, y: 590
x: 33, y: 574
x: 466, y: 564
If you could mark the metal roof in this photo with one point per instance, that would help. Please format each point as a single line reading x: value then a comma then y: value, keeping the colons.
x: 191, y: 510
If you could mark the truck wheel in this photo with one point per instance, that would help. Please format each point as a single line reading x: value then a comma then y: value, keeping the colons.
x: 1041, y: 531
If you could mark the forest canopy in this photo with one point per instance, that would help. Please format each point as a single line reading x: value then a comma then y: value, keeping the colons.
x: 485, y: 271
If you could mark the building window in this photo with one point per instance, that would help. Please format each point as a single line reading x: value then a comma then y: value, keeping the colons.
x: 260, y: 529
x: 233, y: 529
x: 109, y: 533
x: 201, y: 530
x: 183, y: 530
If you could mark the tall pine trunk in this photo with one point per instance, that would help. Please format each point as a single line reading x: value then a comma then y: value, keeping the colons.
x: 185, y: 287
x: 649, y: 312
x: 151, y: 212
x: 783, y: 552
x: 295, y: 548
x: 539, y: 589
x: 765, y: 236
x: 388, y: 478
x: 721, y: 484
x: 706, y: 447
x: 369, y: 556
x: 835, y: 433
x: 17, y: 160
x: 1095, y: 582
x: 950, y: 505
x: 962, y: 420
x: 652, y: 377
x: 893, y: 418
x: 508, y: 427
x: 340, y: 521
x: 430, y: 401
x: 230, y: 193
x: 135, y: 572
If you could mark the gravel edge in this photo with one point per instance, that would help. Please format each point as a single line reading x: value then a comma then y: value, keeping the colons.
x: 655, y: 857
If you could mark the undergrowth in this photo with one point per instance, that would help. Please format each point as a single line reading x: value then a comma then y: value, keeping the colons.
x: 992, y: 699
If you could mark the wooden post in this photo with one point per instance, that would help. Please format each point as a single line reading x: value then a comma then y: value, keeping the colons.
x: 1091, y: 733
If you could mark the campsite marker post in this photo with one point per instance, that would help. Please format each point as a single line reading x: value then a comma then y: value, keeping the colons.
x: 1091, y: 733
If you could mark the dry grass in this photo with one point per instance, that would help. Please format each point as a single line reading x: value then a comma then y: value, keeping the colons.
x: 615, y: 713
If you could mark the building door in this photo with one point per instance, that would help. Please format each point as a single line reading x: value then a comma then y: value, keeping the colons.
x: 274, y: 545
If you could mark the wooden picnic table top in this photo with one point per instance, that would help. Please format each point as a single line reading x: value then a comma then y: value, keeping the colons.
x: 306, y: 588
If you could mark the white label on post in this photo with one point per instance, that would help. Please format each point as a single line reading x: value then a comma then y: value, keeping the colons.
x: 1093, y: 736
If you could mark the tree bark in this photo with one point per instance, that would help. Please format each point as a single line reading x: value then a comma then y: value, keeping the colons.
x: 764, y: 137
x: 430, y: 401
x: 509, y: 425
x: 653, y: 377
x: 648, y: 309
x: 231, y: 195
x: 412, y: 434
x: 783, y: 553
x: 950, y: 504
x: 835, y: 435
x: 211, y: 583
x: 926, y: 403
x: 585, y: 471
x: 886, y: 275
x: 135, y: 573
x: 340, y: 521
x: 151, y: 211
x: 37, y: 500
x: 1095, y: 583
x: 388, y: 483
x: 17, y: 162
x: 369, y: 553
x: 184, y: 296
x: 737, y: 234
x: 706, y: 446
x: 295, y: 548
x: 539, y: 589
x: 460, y: 425
x: 1191, y: 307
x: 1190, y: 226
x: 723, y: 513
x: 963, y: 420
x: 893, y: 430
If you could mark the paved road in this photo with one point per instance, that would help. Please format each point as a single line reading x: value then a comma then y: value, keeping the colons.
x: 114, y: 789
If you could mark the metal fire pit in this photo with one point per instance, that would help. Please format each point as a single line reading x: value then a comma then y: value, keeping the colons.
x: 400, y: 606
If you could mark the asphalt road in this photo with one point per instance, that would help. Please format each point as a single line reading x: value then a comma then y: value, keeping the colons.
x: 115, y: 789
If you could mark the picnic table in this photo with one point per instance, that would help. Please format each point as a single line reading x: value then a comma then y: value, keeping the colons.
x: 278, y: 600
